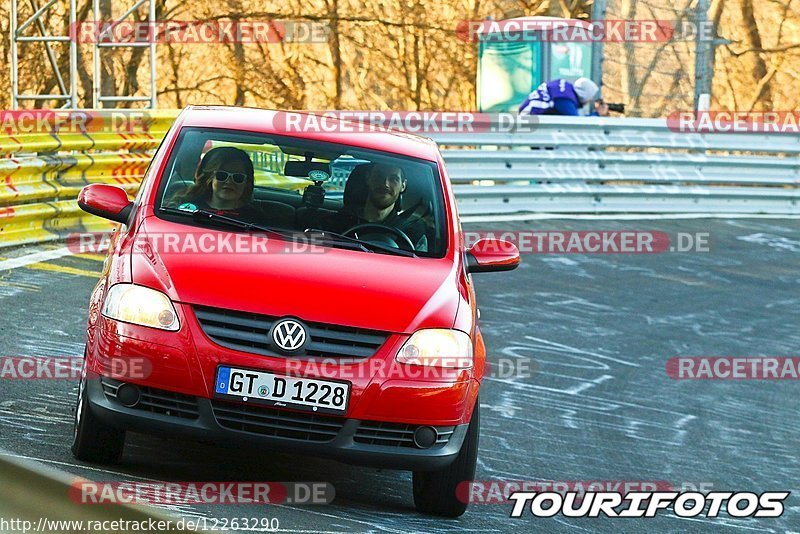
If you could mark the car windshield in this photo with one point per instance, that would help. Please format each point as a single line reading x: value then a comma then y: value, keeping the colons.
x: 347, y: 196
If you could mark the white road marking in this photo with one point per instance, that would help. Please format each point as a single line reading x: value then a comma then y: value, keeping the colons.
x: 36, y: 257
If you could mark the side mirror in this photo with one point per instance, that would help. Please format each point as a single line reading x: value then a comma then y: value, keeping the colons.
x: 106, y: 201
x: 489, y: 255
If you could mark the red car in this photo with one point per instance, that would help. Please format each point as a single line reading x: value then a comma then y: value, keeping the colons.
x: 308, y: 291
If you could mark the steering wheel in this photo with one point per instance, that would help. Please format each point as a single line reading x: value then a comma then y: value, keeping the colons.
x: 404, y: 239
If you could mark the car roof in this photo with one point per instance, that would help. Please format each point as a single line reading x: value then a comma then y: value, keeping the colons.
x: 270, y: 121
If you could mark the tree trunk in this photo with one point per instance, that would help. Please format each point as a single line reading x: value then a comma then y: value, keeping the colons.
x: 108, y: 82
x: 629, y: 83
x: 336, y: 52
x: 752, y: 40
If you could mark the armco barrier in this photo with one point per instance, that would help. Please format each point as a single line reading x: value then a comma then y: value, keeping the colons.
x: 40, y: 496
x: 612, y: 165
x: 42, y: 172
x: 561, y: 165
x: 45, y: 177
x: 110, y: 130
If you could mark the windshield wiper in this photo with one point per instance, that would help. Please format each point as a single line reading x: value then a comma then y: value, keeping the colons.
x: 367, y: 246
x: 201, y: 214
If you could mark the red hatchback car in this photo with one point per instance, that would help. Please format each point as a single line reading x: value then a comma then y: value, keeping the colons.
x: 307, y: 291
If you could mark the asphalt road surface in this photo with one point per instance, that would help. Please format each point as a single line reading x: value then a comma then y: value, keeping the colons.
x: 598, y: 330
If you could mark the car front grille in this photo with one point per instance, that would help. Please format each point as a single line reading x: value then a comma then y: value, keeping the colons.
x: 156, y: 400
x: 279, y: 423
x: 249, y: 332
x: 396, y: 434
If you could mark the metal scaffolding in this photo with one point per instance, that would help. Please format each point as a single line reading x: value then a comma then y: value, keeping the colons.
x: 98, y: 98
x: 68, y: 93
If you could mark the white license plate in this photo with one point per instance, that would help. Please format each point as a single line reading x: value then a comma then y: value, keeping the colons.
x: 261, y: 387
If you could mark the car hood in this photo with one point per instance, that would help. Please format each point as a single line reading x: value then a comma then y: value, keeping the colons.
x: 330, y: 285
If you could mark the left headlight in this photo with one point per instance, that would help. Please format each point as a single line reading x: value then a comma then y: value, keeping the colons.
x: 437, y: 347
x: 140, y: 305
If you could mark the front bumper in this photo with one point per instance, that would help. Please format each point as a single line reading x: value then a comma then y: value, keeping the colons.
x: 354, y: 441
x: 188, y: 360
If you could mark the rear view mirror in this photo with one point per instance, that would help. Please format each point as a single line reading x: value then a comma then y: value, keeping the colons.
x: 492, y: 255
x: 312, y: 170
x: 106, y: 201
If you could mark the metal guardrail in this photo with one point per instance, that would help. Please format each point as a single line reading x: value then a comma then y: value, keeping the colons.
x: 608, y: 165
x: 575, y: 166
x: 36, y: 498
x: 560, y: 165
x: 600, y: 132
x: 41, y: 173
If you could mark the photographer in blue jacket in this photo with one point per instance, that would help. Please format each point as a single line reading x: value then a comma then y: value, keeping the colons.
x: 559, y: 97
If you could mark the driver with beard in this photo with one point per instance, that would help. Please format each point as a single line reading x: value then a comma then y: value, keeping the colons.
x: 385, y: 183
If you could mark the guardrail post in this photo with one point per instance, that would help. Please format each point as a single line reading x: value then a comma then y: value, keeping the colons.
x: 598, y: 14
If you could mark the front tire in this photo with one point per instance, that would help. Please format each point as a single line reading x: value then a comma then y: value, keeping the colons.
x: 435, y: 491
x: 93, y: 440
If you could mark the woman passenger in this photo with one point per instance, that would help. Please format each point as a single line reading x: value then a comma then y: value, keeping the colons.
x: 224, y: 184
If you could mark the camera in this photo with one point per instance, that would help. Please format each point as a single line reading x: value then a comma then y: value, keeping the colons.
x: 615, y: 106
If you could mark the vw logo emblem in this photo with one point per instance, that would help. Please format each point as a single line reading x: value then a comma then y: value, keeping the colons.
x: 289, y: 335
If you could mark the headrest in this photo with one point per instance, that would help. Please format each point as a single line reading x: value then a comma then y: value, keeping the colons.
x: 355, y: 189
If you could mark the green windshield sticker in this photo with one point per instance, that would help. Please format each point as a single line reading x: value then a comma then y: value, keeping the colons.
x: 320, y: 176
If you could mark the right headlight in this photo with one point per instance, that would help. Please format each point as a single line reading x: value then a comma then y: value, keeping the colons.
x: 140, y: 305
x: 437, y: 347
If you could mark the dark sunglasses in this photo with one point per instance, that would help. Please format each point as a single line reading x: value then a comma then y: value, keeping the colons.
x: 237, y: 177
